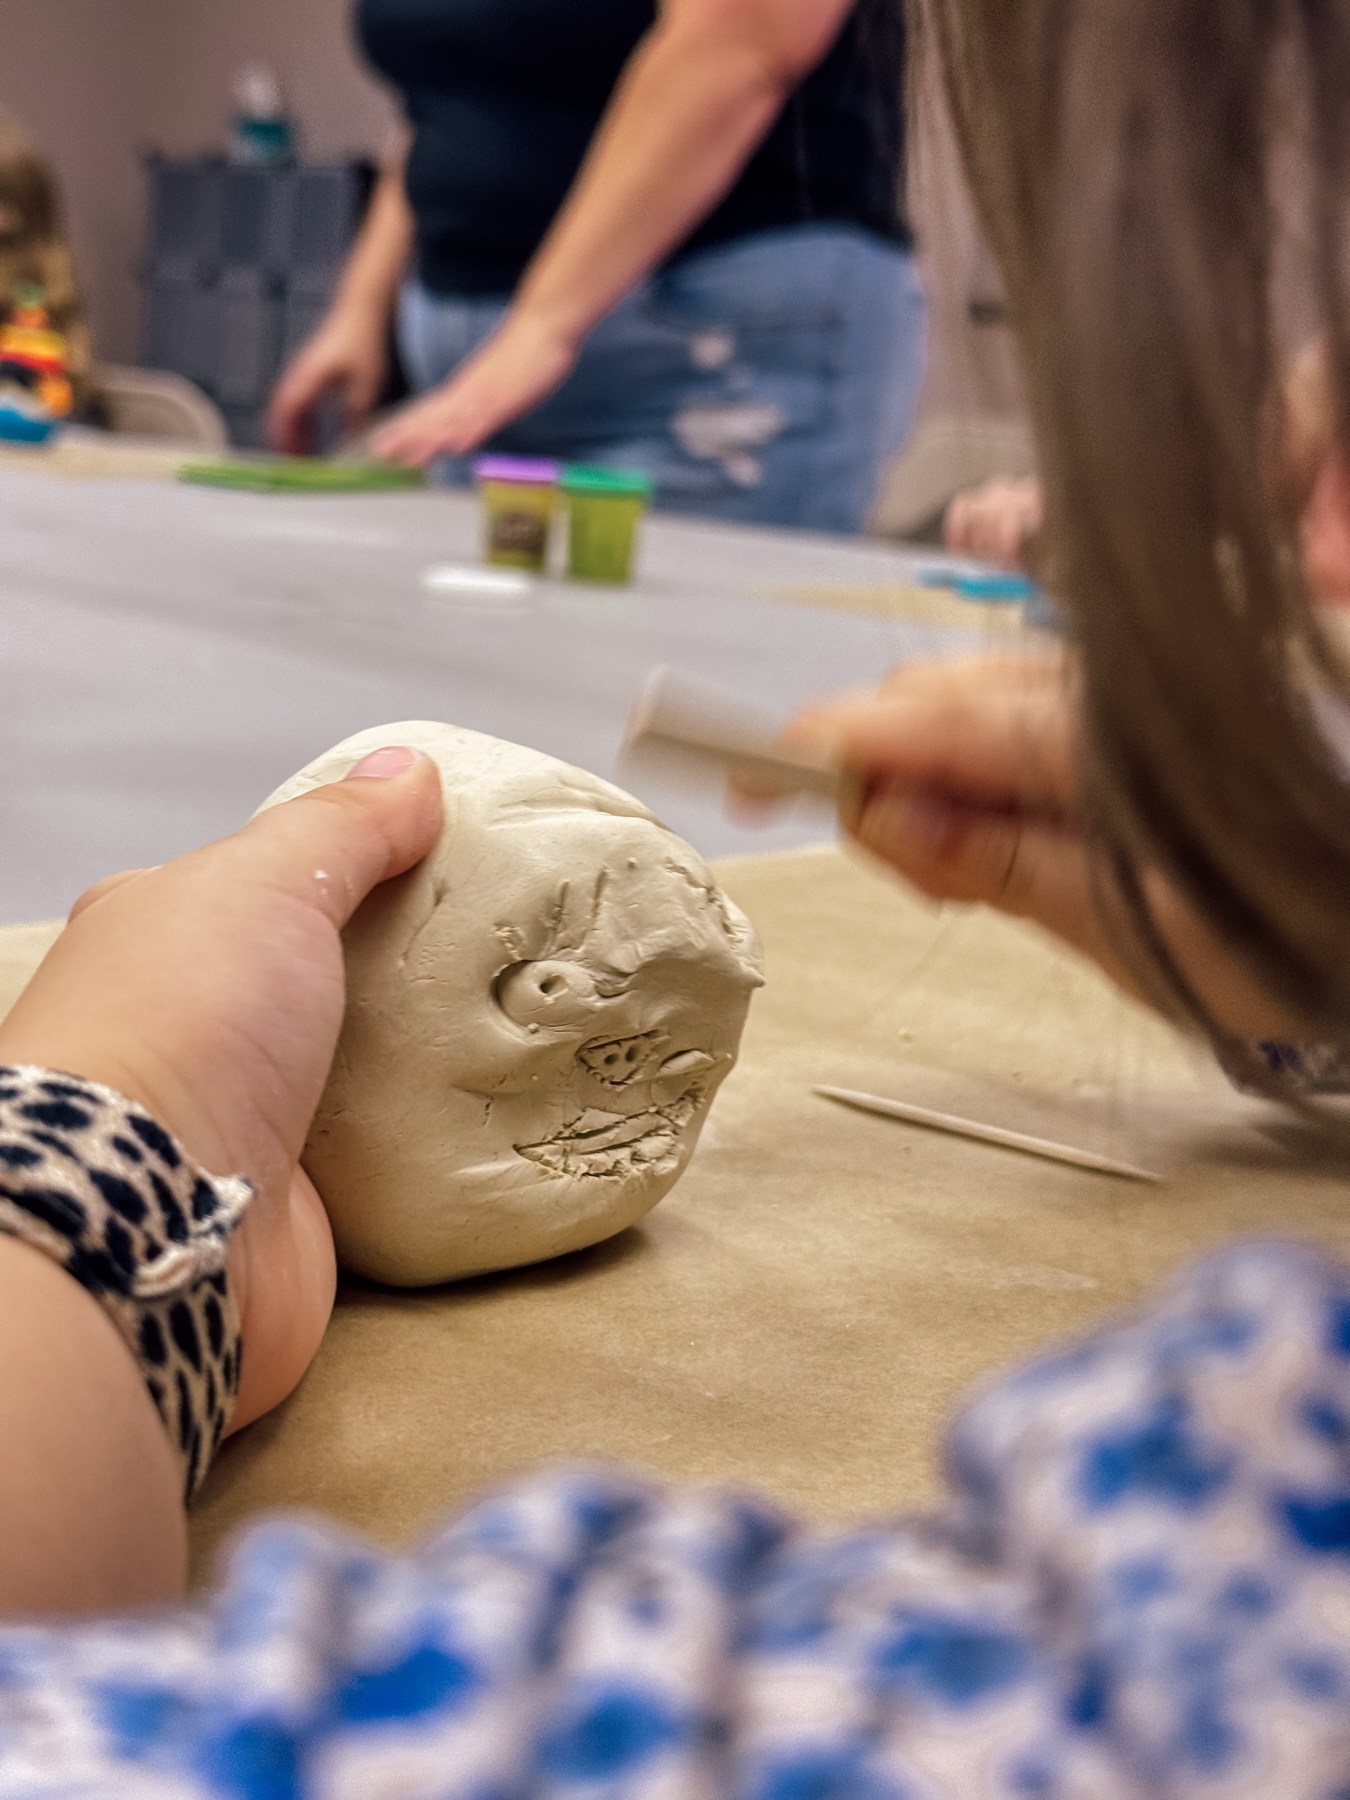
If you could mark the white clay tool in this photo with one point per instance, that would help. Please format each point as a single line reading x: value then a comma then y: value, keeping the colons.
x: 687, y: 730
x: 987, y: 1134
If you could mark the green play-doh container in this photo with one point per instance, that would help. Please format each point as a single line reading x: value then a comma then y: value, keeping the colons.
x: 604, y: 507
x: 519, y: 494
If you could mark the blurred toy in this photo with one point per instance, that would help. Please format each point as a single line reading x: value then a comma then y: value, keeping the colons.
x: 39, y: 298
x: 32, y: 356
x: 35, y: 390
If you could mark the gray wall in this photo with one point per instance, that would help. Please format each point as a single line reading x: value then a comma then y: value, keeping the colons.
x: 101, y: 82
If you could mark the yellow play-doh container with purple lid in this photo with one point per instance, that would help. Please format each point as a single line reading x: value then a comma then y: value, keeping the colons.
x: 604, y: 509
x: 520, y: 496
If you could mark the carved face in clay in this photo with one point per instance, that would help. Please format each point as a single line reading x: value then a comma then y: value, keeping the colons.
x: 538, y: 1017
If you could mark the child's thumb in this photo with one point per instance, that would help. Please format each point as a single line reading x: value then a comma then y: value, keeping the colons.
x: 339, y: 841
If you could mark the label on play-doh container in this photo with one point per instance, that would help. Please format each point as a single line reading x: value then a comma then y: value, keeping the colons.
x: 519, y: 496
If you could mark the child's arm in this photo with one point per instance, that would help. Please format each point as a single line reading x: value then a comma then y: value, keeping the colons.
x: 211, y: 992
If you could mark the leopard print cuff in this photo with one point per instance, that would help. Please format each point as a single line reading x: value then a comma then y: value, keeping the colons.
x: 89, y: 1178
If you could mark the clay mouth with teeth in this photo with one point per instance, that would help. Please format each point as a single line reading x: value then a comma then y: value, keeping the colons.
x: 599, y: 1143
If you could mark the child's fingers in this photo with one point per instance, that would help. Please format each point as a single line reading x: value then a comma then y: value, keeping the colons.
x: 994, y: 731
x: 334, y: 844
x: 747, y: 804
x: 994, y: 521
x: 1025, y: 864
x: 1325, y: 531
x: 1010, y: 673
x: 1018, y: 862
x: 211, y: 989
x: 1041, y: 869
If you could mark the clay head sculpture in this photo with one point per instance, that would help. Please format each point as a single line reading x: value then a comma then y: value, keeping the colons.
x: 538, y: 1016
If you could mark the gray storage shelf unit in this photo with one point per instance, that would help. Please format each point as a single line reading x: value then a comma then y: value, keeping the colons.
x: 242, y: 262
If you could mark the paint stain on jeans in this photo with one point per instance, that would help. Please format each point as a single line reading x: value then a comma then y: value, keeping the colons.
x: 728, y: 434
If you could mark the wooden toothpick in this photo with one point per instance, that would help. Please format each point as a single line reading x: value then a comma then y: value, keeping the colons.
x: 987, y: 1134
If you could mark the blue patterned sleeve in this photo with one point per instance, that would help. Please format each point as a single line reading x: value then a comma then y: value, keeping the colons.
x: 1139, y: 1590
x: 1307, y: 1067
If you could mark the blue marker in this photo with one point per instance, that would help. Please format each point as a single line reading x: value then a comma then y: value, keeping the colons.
x: 995, y: 585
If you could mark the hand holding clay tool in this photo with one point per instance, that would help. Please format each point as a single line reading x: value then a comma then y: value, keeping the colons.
x: 987, y: 1134
x: 687, y: 730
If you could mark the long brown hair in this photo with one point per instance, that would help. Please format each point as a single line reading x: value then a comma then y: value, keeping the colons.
x: 1123, y: 155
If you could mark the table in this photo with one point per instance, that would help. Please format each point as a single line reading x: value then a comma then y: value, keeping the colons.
x: 171, y: 653
x: 801, y: 1312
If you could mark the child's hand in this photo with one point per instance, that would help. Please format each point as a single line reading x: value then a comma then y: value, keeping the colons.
x: 996, y: 521
x: 966, y: 782
x: 964, y: 779
x: 211, y: 990
x: 1325, y: 529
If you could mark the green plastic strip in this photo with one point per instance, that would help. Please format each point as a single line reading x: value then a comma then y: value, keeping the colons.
x: 302, y: 475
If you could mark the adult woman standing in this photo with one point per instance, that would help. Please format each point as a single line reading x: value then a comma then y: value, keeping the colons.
x: 669, y: 236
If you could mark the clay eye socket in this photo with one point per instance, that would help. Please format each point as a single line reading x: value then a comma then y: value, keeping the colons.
x: 546, y: 993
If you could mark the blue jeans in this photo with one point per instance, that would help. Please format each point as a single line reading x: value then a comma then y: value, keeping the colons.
x: 768, y: 380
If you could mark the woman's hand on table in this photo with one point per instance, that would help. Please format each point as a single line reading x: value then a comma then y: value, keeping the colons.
x: 346, y: 357
x: 348, y: 354
x: 964, y: 779
x: 211, y: 991
x: 523, y: 361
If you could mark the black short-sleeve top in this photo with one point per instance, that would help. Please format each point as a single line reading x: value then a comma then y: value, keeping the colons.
x: 504, y: 95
